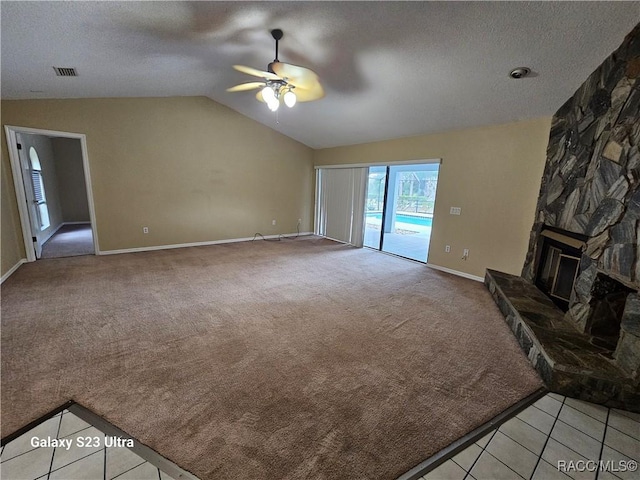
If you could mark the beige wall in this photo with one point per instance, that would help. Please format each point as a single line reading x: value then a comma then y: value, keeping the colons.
x: 193, y: 170
x: 72, y: 189
x: 493, y: 173
x: 189, y: 168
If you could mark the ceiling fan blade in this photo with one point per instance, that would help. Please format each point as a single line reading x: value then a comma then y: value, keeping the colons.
x: 295, y: 75
x: 316, y: 92
x: 256, y: 73
x: 246, y: 86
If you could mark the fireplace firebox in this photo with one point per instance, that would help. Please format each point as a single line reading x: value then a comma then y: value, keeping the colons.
x: 558, y: 264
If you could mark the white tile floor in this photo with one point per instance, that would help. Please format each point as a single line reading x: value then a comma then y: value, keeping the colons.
x: 528, y: 446
x: 554, y: 429
x: 20, y: 460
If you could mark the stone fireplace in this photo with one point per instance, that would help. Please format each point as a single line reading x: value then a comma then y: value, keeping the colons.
x: 576, y: 308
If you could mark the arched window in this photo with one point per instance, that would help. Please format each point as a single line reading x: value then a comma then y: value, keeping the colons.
x: 39, y: 196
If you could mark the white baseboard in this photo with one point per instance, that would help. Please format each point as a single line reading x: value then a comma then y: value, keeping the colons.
x: 196, y: 244
x: 456, y: 272
x: 12, y: 269
x: 88, y: 222
x: 232, y: 240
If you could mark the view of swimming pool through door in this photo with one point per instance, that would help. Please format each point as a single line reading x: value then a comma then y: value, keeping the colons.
x: 399, y: 209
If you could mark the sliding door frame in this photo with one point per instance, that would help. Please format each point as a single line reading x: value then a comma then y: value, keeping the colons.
x: 388, y: 165
x: 384, y: 208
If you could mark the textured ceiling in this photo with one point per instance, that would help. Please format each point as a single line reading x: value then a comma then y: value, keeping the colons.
x: 390, y: 69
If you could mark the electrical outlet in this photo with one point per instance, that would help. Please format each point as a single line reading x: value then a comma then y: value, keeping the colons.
x: 455, y: 210
x: 299, y: 221
x: 465, y: 253
x: 145, y: 229
x: 447, y: 248
x: 273, y: 222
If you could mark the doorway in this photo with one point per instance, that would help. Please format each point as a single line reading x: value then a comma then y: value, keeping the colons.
x: 399, y: 209
x: 53, y: 191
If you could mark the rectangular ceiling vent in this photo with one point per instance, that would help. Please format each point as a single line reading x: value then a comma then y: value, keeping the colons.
x: 65, y: 71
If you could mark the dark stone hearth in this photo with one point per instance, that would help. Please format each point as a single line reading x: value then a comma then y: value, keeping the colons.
x: 570, y: 363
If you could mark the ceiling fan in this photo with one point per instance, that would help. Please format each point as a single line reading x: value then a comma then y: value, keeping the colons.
x: 282, y: 82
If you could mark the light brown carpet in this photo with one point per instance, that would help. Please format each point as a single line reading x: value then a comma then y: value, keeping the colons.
x: 262, y: 360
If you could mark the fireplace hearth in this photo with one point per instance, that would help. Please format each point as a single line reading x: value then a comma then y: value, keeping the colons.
x: 571, y: 363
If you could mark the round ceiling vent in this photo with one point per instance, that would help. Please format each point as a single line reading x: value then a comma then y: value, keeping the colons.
x: 519, y: 72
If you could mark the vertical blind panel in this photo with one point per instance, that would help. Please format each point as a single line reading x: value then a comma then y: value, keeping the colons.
x: 337, y: 187
x: 341, y: 204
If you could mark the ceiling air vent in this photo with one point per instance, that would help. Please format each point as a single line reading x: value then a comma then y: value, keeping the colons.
x: 65, y: 71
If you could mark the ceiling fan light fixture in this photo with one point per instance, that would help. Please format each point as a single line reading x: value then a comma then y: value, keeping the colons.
x: 268, y: 94
x: 273, y: 104
x: 290, y: 99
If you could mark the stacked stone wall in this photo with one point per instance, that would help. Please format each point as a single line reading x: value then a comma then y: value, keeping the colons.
x: 591, y: 180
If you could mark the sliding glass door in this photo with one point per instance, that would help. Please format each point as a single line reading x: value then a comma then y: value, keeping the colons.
x: 401, y: 222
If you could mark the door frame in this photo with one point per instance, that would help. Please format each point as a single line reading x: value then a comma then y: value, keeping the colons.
x: 21, y: 198
x: 385, y: 207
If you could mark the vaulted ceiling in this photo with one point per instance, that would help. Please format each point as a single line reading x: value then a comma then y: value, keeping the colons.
x: 389, y: 69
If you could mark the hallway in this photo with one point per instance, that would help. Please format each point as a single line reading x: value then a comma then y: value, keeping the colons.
x: 70, y: 241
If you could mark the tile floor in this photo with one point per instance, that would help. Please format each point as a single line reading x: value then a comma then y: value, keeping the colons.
x: 552, y: 430
x: 527, y: 446
x: 19, y: 460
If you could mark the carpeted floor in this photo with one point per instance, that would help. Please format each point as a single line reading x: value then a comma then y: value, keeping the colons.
x: 299, y: 359
x: 69, y: 241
